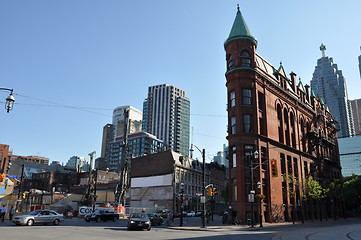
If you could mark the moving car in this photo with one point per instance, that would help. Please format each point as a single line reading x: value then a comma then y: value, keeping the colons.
x: 102, y: 215
x: 139, y: 221
x: 39, y: 217
x: 155, y: 219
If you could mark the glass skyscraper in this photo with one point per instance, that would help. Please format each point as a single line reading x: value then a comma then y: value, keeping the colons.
x: 329, y: 84
x: 166, y: 114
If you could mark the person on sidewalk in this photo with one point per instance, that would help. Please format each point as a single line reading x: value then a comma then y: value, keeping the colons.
x: 225, y: 217
x: 3, y: 212
x: 169, y: 219
x: 11, y: 213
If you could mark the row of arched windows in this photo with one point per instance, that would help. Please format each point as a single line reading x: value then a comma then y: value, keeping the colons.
x: 287, y: 128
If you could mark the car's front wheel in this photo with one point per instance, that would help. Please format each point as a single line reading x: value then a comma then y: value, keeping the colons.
x: 56, y: 222
x: 97, y: 219
x: 30, y: 222
x: 115, y: 219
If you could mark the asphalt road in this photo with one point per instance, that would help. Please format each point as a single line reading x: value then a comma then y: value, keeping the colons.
x: 80, y: 230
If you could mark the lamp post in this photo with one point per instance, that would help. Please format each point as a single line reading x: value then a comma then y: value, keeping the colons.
x: 181, y: 192
x: 203, y: 152
x: 9, y: 100
x: 260, y: 204
x: 255, y: 156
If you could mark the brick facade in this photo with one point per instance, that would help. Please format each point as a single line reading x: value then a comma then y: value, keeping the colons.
x: 269, y: 113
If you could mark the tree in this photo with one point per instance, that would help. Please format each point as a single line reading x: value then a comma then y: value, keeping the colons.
x: 314, y: 190
x: 293, y: 187
x: 352, y: 193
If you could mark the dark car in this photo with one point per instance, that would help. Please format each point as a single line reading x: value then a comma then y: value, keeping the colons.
x: 139, y: 221
x: 39, y: 217
x: 155, y: 219
x: 102, y: 215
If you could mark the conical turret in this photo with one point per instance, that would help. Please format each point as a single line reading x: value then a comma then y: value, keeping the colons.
x: 240, y: 30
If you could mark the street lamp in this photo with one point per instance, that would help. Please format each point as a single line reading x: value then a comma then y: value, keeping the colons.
x: 203, y: 198
x: 181, y: 192
x: 9, y: 100
x: 255, y: 156
x: 259, y: 184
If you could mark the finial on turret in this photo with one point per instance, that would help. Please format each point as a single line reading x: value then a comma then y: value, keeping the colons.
x: 323, y: 49
x: 238, y: 7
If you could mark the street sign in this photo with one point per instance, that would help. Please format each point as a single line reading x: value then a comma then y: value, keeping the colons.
x: 199, y: 194
x: 251, y: 197
x: 203, y: 199
x: 12, y: 176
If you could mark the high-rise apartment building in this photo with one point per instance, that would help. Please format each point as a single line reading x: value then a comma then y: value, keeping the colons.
x: 277, y: 130
x: 356, y: 115
x: 329, y: 84
x: 135, y: 121
x: 114, y: 133
x: 166, y: 114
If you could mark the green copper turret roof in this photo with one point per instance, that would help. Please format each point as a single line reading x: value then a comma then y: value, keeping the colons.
x: 240, y: 30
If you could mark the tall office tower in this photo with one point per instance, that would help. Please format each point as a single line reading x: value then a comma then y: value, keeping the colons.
x: 166, y: 114
x: 356, y: 115
x: 108, y: 133
x: 221, y: 157
x: 135, y: 121
x: 329, y: 84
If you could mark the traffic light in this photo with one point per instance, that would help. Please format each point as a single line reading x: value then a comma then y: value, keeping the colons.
x: 24, y: 195
x: 214, y: 191
x: 2, y: 178
x: 274, y: 171
x: 209, y: 191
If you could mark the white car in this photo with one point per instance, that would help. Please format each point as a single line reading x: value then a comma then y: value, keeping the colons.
x: 39, y: 217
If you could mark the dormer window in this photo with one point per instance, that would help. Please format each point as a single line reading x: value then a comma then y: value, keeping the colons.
x: 230, y: 62
x: 245, y: 59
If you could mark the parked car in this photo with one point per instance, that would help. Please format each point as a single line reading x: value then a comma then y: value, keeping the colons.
x: 163, y: 213
x: 102, y: 215
x: 191, y: 214
x: 199, y: 213
x: 39, y: 217
x: 155, y: 219
x: 139, y: 221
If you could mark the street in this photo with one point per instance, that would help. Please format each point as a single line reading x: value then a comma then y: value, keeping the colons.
x: 79, y: 229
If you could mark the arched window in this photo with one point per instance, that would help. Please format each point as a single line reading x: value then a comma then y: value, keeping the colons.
x: 293, y: 134
x: 230, y: 62
x: 303, y: 134
x: 287, y: 127
x: 245, y: 59
x: 280, y: 123
x: 232, y: 99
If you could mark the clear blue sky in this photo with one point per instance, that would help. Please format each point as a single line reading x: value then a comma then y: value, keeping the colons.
x: 71, y: 62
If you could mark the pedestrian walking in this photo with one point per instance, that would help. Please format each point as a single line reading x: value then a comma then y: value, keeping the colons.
x: 225, y: 217
x: 3, y: 212
x: 11, y: 213
x: 169, y: 219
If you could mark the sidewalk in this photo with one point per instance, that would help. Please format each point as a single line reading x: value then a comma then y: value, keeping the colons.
x: 217, y: 225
